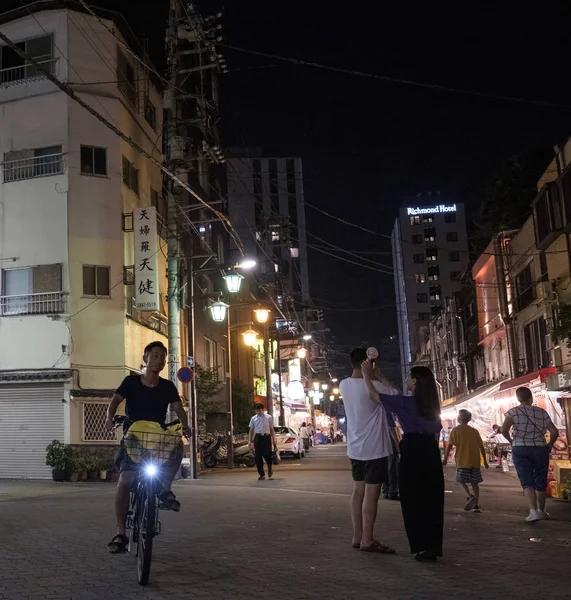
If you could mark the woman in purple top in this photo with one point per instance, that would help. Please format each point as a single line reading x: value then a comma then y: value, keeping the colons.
x: 421, y: 478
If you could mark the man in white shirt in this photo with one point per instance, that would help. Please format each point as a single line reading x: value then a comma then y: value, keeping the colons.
x: 368, y: 447
x: 261, y: 436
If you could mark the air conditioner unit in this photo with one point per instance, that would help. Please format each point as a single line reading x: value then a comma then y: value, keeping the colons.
x: 544, y: 291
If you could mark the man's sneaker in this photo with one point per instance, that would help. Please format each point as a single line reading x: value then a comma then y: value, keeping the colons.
x: 261, y: 478
x: 471, y: 502
x: 477, y: 508
x: 534, y: 515
x: 270, y: 472
x: 544, y: 515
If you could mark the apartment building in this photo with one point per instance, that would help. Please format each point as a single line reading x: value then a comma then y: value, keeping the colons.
x: 69, y: 326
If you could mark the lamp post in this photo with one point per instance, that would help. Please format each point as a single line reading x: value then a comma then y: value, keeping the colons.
x: 262, y: 316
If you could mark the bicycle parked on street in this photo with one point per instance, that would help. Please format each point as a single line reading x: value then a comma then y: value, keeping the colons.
x: 151, y: 451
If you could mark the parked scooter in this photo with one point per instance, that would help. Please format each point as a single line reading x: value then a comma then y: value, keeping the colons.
x: 216, y: 453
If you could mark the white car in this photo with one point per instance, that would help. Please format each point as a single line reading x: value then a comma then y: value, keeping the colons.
x: 289, y: 442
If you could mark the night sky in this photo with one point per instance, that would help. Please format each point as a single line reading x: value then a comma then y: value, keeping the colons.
x: 367, y: 144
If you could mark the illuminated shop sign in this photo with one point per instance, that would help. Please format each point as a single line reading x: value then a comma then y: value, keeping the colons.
x: 431, y: 210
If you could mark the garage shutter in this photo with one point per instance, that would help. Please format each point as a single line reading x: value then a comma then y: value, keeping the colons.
x: 31, y: 416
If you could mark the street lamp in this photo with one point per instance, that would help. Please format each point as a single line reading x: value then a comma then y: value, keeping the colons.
x: 324, y: 386
x: 247, y: 264
x: 316, y: 386
x: 307, y: 337
x: 233, y: 282
x: 302, y: 353
x: 336, y: 391
x: 262, y: 314
x: 250, y: 337
x: 218, y: 311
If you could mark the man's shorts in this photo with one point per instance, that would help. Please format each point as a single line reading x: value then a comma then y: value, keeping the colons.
x: 469, y: 476
x: 372, y: 472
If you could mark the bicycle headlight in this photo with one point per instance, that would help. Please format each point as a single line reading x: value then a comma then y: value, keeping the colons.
x: 151, y: 470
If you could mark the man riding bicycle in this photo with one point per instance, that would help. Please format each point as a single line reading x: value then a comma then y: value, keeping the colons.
x: 147, y: 398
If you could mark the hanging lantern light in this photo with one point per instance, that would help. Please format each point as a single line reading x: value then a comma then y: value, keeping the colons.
x: 218, y: 311
x: 250, y: 337
x: 302, y: 353
x: 262, y: 314
x: 233, y: 282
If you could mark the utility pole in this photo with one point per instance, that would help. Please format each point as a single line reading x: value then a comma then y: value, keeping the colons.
x: 268, y: 365
x: 279, y: 369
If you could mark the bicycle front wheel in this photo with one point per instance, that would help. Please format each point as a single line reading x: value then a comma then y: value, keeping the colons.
x: 146, y: 533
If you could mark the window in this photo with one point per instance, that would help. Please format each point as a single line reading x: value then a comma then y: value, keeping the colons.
x: 418, y: 258
x: 455, y: 275
x: 432, y: 255
x: 435, y: 294
x: 420, y: 278
x: 454, y: 256
x: 535, y: 345
x: 294, y: 252
x: 94, y: 418
x: 14, y: 68
x: 130, y: 176
x: 415, y: 220
x: 548, y: 212
x: 417, y: 239
x: 450, y: 218
x: 434, y: 277
x: 452, y: 236
x: 275, y: 231
x: 32, y: 291
x: 436, y: 310
x: 429, y: 234
x: 273, y: 170
x: 93, y: 160
x: 423, y: 316
x: 210, y: 354
x: 126, y: 78
x: 150, y: 113
x: 96, y: 281
x: 422, y: 298
x: 428, y: 219
x: 29, y: 164
x: 525, y: 288
x: 290, y: 174
x: 223, y: 365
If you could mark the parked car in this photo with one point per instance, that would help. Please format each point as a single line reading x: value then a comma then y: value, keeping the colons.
x: 289, y: 442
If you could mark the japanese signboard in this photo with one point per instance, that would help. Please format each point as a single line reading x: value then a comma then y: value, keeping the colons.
x: 146, y: 259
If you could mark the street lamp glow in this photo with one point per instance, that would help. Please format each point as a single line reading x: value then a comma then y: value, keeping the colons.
x: 336, y: 391
x: 218, y: 311
x: 250, y: 337
x: 335, y: 380
x: 316, y: 385
x: 262, y: 314
x: 247, y: 264
x: 233, y: 282
x: 324, y: 386
x: 307, y: 337
x: 302, y: 353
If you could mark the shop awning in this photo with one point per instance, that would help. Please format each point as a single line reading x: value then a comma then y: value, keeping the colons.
x: 541, y: 375
x: 485, y: 390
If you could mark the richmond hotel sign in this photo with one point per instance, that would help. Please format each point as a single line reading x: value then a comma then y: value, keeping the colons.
x: 431, y: 210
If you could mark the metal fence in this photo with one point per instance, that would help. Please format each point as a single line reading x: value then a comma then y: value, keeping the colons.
x: 30, y: 168
x: 15, y: 75
x: 32, y: 304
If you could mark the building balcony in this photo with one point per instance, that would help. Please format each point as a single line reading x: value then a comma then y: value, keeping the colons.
x: 32, y: 168
x: 26, y: 73
x: 49, y: 303
x: 155, y: 321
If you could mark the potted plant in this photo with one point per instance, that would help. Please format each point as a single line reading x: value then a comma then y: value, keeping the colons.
x: 105, y: 466
x: 58, y: 458
x: 91, y: 466
x: 76, y: 466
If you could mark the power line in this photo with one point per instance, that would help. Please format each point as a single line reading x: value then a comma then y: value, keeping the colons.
x: 410, y: 82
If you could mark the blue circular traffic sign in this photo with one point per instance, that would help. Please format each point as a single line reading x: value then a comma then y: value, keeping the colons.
x: 185, y: 375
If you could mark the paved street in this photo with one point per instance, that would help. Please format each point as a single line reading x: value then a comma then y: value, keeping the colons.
x: 238, y: 538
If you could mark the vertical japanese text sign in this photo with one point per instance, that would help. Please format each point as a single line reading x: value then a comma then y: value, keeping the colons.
x: 146, y: 259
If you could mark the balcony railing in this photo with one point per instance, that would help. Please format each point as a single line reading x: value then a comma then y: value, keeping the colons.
x: 33, y: 304
x: 30, y: 168
x: 15, y: 75
x: 156, y: 321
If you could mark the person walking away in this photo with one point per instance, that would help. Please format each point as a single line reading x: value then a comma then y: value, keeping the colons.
x: 446, y: 440
x: 332, y: 434
x: 147, y: 398
x: 262, y: 438
x: 530, y: 450
x: 499, y: 445
x: 304, y: 434
x: 368, y: 446
x: 469, y: 454
x: 421, y: 479
x: 311, y: 431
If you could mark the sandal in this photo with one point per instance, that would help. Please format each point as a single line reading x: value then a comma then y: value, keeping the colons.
x: 118, y: 544
x: 378, y: 548
x: 169, y: 501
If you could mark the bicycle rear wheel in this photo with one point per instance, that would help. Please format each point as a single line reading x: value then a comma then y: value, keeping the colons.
x: 146, y: 532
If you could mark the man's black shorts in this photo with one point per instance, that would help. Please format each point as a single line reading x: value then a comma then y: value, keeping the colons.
x: 373, y: 472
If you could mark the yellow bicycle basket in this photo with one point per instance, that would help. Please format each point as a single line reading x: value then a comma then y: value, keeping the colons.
x: 147, y: 441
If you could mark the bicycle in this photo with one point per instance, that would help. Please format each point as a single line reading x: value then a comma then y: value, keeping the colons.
x: 149, y: 451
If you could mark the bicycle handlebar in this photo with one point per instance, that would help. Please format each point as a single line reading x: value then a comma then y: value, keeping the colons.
x: 118, y: 420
